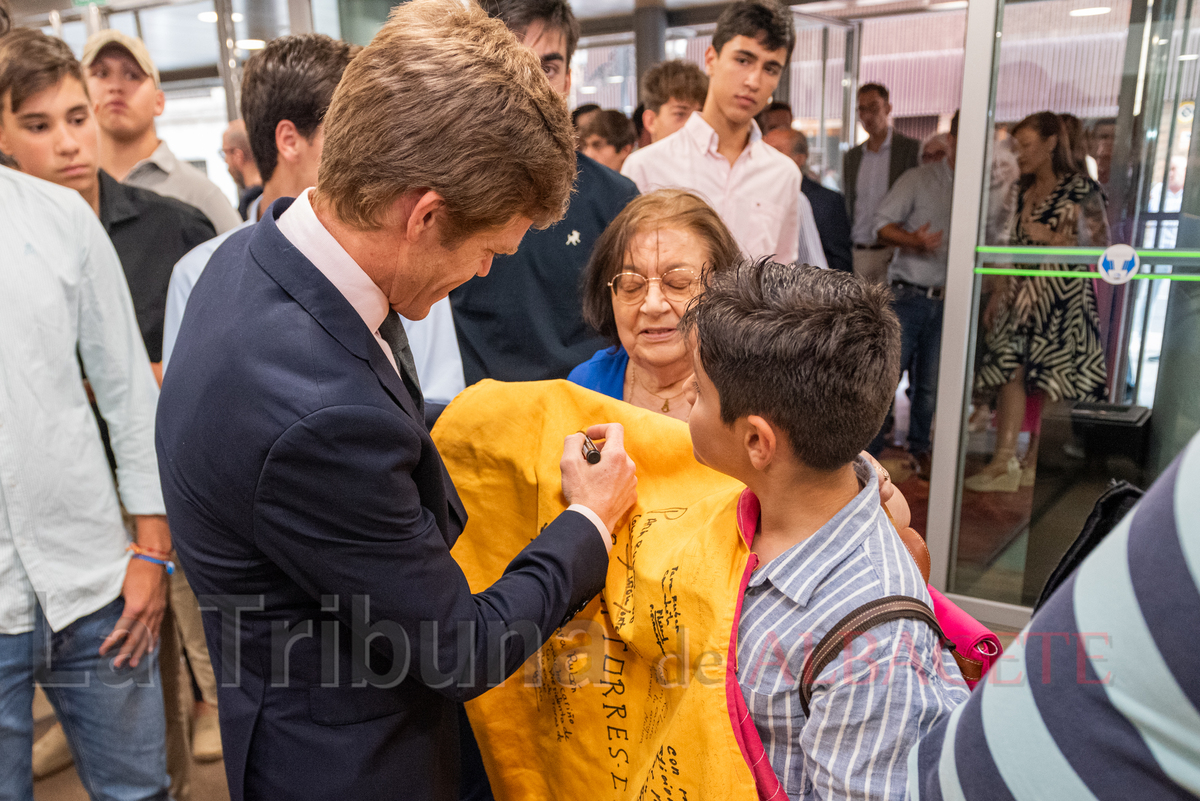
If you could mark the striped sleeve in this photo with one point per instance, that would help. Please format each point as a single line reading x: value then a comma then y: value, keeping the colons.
x: 1099, y: 697
x: 875, y: 704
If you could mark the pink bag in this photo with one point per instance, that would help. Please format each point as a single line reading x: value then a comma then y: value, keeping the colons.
x: 972, y: 639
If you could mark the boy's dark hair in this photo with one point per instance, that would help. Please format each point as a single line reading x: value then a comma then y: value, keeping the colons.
x: 639, y: 124
x: 877, y: 88
x: 292, y: 78
x: 766, y: 21
x: 613, y: 127
x: 816, y: 352
x: 579, y: 111
x: 518, y: 15
x: 677, y: 79
x: 31, y: 61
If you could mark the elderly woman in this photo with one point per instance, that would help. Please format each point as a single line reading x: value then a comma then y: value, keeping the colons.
x: 647, y: 266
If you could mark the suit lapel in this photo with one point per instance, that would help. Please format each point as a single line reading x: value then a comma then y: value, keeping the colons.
x: 309, y: 287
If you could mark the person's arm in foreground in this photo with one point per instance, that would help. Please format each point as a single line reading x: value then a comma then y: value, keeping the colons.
x: 126, y: 391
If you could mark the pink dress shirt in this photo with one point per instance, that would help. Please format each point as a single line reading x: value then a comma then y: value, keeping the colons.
x: 758, y: 196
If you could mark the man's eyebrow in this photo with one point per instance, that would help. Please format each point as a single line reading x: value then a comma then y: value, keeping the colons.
x: 553, y: 57
x: 32, y: 116
x: 747, y: 54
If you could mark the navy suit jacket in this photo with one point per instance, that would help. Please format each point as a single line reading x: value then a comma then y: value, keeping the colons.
x: 833, y: 224
x: 311, y: 511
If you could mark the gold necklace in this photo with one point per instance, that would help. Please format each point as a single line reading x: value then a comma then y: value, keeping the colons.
x: 666, y: 407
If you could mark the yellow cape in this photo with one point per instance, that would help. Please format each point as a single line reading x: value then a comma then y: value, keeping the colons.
x: 634, y: 697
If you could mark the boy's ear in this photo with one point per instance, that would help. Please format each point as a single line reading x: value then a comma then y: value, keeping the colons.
x: 761, y: 442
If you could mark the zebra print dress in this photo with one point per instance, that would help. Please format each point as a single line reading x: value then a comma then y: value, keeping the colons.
x: 1049, y: 324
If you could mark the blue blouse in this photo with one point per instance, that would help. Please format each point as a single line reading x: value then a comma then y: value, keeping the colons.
x: 604, y: 372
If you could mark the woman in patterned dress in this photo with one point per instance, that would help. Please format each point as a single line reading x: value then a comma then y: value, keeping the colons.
x: 1043, y: 333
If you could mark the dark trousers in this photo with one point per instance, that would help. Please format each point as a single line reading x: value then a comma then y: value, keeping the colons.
x: 920, y: 350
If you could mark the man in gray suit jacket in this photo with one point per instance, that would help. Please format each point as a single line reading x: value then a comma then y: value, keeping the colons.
x: 870, y: 169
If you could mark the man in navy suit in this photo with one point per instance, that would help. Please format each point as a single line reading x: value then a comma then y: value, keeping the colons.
x: 828, y: 207
x: 307, y: 500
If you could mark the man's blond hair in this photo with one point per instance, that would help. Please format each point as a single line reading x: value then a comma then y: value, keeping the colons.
x: 446, y: 99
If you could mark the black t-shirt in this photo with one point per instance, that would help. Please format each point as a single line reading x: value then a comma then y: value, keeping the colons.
x: 523, y: 321
x: 150, y: 233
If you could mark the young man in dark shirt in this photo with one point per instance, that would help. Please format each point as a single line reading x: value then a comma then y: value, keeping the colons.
x: 523, y: 321
x: 48, y: 128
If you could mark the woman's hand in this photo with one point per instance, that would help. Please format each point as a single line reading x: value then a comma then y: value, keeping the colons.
x: 889, y: 496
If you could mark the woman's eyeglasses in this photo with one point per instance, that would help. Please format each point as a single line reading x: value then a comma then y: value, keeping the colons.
x: 678, y: 285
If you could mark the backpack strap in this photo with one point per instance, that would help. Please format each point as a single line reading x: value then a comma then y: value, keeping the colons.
x: 859, y: 622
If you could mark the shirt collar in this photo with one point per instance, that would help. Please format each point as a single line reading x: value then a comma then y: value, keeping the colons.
x: 705, y: 138
x: 301, y: 226
x: 885, y: 147
x: 115, y: 204
x: 162, y: 157
x: 798, y: 571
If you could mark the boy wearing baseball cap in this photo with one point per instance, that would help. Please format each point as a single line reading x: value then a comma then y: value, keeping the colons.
x: 127, y: 95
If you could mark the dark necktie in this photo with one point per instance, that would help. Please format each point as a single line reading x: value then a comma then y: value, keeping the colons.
x: 392, y: 331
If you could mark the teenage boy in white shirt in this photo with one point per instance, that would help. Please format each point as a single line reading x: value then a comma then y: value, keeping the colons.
x: 719, y: 153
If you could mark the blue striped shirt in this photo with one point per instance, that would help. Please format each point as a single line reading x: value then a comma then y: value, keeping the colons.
x: 1099, y: 696
x: 871, y: 704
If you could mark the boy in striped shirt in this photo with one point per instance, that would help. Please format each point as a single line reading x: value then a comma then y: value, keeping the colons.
x: 795, y: 368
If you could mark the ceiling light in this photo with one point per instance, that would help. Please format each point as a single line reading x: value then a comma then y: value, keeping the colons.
x: 952, y: 4
x: 1090, y: 12
x: 616, y: 79
x: 587, y: 90
x: 211, y: 16
x: 1189, y: 57
x: 251, y: 44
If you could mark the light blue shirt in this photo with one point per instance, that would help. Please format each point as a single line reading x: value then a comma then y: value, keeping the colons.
x: 433, y: 340
x: 868, y: 707
x: 62, y: 293
x: 922, y: 195
x: 871, y: 186
x: 184, y: 277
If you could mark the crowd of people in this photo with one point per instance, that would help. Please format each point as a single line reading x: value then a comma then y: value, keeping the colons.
x: 216, y: 422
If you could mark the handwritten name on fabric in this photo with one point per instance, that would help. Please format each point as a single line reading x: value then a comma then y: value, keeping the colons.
x: 630, y: 699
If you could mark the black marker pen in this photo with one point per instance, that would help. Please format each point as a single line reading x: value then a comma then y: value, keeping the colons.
x: 590, y: 452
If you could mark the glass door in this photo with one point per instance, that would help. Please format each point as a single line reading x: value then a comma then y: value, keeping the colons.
x: 1081, y: 361
x: 823, y: 79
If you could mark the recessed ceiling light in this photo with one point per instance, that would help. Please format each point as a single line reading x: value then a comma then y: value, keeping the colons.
x: 211, y: 16
x: 587, y: 90
x: 1090, y: 12
x: 251, y: 44
x: 948, y: 6
x: 1189, y: 57
x: 616, y: 79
